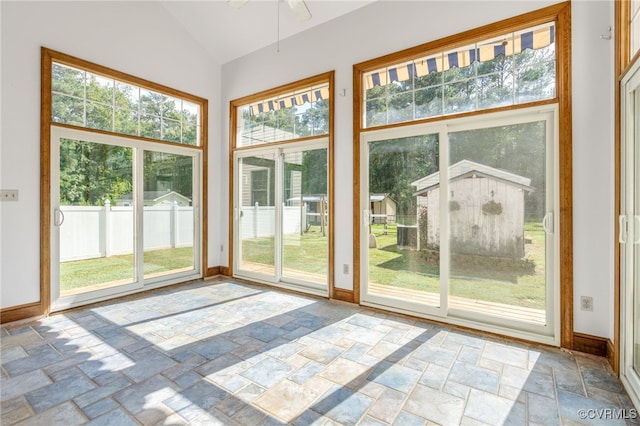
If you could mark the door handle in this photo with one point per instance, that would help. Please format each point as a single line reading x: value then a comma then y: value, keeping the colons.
x: 547, y: 223
x: 622, y: 232
x: 58, y: 217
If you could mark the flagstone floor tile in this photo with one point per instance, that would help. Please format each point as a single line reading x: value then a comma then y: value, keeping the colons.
x: 229, y: 353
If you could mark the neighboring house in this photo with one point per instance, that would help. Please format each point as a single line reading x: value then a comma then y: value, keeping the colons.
x: 383, y: 208
x: 486, y: 208
x: 154, y: 198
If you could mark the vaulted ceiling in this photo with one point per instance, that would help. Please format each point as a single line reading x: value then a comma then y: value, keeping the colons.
x: 227, y: 33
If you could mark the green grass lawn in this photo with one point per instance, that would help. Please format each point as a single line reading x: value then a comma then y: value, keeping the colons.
x: 471, y: 276
x: 307, y: 253
x: 91, y: 272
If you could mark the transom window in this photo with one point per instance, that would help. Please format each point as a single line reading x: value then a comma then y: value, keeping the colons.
x: 289, y: 116
x: 510, y: 69
x: 85, y: 99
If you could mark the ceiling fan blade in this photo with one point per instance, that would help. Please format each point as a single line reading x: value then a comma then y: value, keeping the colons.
x: 300, y: 10
x: 237, y: 4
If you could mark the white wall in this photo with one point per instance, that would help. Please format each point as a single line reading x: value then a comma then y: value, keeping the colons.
x: 139, y: 38
x: 593, y: 165
x: 385, y: 27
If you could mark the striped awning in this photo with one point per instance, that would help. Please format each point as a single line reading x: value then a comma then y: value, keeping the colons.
x: 508, y: 45
x: 290, y: 100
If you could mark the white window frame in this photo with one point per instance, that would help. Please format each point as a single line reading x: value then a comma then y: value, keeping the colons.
x: 549, y: 333
x: 139, y: 282
x: 278, y: 152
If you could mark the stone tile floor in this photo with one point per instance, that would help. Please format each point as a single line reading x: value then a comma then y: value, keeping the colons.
x: 224, y: 352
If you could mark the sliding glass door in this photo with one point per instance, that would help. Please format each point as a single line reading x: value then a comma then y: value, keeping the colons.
x: 281, y: 216
x: 630, y: 234
x: 458, y: 221
x: 124, y: 216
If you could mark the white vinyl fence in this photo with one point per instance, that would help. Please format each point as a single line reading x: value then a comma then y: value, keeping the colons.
x: 91, y: 232
x: 259, y: 221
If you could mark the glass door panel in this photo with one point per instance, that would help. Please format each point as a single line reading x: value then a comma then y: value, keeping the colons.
x: 256, y: 214
x: 94, y: 217
x: 403, y: 246
x: 634, y: 302
x: 168, y: 214
x: 497, y: 199
x: 630, y: 233
x: 305, y: 216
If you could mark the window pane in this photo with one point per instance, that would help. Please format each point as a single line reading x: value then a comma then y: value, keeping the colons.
x: 150, y: 126
x: 97, y: 240
x: 190, y: 135
x: 305, y: 222
x: 376, y: 111
x: 513, y: 68
x: 402, y: 262
x: 497, y: 196
x: 69, y: 81
x: 536, y: 82
x: 99, y: 89
x: 168, y: 214
x: 257, y: 214
x: 459, y: 97
x: 285, y: 117
x: 126, y: 121
x: 495, y: 90
x: 429, y: 102
x: 400, y: 107
x: 67, y: 109
x: 171, y: 130
x: 99, y: 116
x: 116, y: 106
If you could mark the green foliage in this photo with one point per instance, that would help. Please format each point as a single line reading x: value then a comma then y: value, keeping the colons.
x: 519, y: 149
x: 88, y: 100
x: 394, y: 164
x: 92, y: 173
x: 505, y: 80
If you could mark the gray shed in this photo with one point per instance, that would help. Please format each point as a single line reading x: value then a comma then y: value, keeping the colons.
x: 486, y: 209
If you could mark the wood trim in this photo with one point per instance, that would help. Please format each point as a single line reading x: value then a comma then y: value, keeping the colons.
x: 515, y: 23
x: 621, y: 53
x: 561, y: 14
x: 622, y: 28
x: 212, y: 271
x: 283, y: 89
x: 343, y: 295
x: 233, y: 125
x: 21, y: 312
x: 588, y: 344
x: 612, y: 357
x: 204, y: 203
x: 358, y: 127
x: 45, y: 180
x: 72, y: 61
x: 325, y: 78
x: 226, y: 271
x: 565, y: 153
x: 123, y: 135
x: 331, y: 282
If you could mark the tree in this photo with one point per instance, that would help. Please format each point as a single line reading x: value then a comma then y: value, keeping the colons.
x: 394, y: 164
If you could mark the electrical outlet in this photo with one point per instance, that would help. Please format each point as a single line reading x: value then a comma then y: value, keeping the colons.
x: 9, y: 195
x: 586, y: 303
x: 345, y: 268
